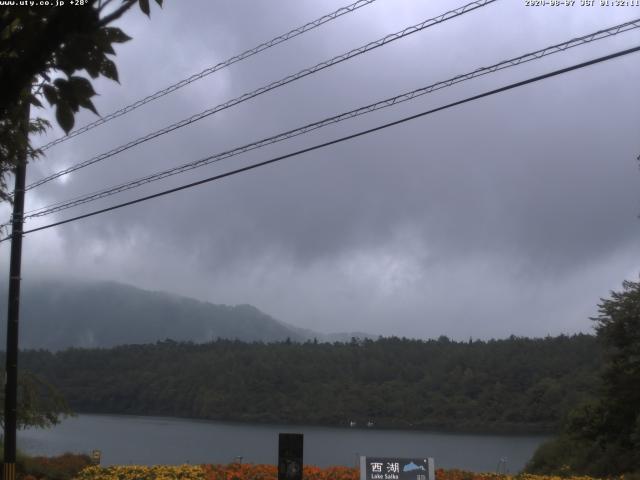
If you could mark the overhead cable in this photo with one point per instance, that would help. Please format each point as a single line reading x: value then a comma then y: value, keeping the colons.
x: 338, y: 140
x: 279, y: 83
x: 388, y: 102
x: 209, y: 70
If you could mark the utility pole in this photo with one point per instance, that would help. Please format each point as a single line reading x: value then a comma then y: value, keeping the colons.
x: 13, y: 310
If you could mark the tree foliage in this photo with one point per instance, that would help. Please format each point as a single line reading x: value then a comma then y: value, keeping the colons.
x: 39, y: 403
x: 602, y: 437
x: 45, y: 53
x: 508, y: 385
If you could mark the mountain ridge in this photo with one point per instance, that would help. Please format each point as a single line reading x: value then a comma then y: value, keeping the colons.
x: 58, y: 314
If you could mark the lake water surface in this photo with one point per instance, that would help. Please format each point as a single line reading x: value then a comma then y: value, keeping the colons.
x: 152, y: 440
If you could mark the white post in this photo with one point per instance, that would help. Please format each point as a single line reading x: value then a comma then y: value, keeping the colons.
x: 432, y: 469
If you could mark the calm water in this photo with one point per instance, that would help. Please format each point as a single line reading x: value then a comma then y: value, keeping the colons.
x: 152, y: 440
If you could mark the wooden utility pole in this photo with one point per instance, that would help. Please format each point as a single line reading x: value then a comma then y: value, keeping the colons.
x: 13, y: 310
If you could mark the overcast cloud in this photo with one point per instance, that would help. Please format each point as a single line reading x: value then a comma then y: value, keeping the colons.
x: 509, y: 215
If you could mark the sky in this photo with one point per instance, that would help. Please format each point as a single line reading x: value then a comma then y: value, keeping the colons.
x: 510, y: 215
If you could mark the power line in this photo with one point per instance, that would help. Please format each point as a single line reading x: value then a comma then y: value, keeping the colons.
x: 209, y: 70
x: 339, y: 140
x: 561, y: 47
x: 279, y: 83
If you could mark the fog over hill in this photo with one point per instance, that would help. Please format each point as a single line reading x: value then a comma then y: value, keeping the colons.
x: 58, y: 314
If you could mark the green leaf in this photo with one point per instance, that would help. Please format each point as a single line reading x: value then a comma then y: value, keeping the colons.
x: 107, y: 48
x: 159, y: 2
x: 115, y: 35
x: 81, y: 87
x: 38, y: 125
x: 92, y: 65
x: 35, y: 102
x: 103, y: 41
x: 50, y: 93
x: 65, y: 117
x: 144, y: 6
x: 72, y: 56
x: 92, y: 70
x: 109, y: 70
x: 88, y: 104
x: 61, y: 83
x: 66, y: 94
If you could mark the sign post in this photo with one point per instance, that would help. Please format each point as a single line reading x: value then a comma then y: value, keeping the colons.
x: 391, y: 468
x: 290, y: 450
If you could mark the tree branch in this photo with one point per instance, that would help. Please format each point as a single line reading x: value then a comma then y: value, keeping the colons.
x: 117, y: 13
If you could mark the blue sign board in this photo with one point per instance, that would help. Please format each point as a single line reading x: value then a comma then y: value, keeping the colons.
x: 391, y: 468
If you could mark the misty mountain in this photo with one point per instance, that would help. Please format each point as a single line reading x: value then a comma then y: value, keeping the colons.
x: 55, y: 315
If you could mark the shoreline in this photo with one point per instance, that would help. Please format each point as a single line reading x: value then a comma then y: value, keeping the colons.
x: 502, y: 432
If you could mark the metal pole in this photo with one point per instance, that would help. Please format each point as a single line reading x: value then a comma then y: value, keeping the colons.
x: 13, y: 311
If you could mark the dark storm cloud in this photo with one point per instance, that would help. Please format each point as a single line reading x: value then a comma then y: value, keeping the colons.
x: 512, y: 214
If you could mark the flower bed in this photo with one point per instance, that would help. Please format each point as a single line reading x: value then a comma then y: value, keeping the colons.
x: 137, y: 472
x: 236, y: 471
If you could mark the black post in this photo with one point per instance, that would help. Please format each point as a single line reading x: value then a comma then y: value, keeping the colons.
x: 13, y: 312
x: 290, y: 456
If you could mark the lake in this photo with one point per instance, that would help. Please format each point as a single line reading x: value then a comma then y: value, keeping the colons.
x: 127, y: 439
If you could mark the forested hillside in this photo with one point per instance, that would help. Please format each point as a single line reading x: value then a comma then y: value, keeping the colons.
x: 58, y: 314
x: 510, y: 385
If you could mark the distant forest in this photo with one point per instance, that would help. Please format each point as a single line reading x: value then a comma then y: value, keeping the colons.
x: 512, y: 385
